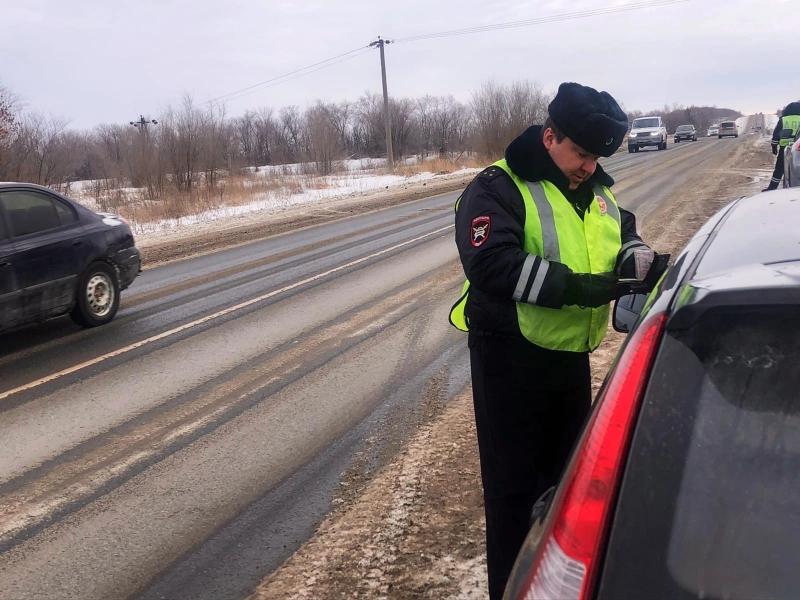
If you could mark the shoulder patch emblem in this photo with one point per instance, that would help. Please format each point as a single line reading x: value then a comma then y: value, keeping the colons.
x: 480, y: 230
x: 602, y: 204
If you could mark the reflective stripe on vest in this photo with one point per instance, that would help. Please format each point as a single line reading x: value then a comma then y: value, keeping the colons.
x: 789, y: 122
x: 555, y: 232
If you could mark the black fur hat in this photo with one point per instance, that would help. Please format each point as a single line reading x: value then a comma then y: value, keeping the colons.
x: 591, y: 119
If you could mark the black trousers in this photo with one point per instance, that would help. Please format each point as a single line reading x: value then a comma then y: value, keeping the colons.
x: 777, y: 173
x: 530, y: 406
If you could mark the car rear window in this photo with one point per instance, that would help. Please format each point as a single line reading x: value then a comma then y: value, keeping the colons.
x: 728, y: 124
x: 710, y: 501
x: 684, y: 127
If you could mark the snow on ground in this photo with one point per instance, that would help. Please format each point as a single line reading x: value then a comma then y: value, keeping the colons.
x: 275, y: 201
x: 350, y: 165
x: 359, y: 178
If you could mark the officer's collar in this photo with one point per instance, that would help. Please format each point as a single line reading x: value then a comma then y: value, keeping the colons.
x: 529, y: 159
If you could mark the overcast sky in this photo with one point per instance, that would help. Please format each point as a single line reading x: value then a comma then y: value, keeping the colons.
x: 101, y: 61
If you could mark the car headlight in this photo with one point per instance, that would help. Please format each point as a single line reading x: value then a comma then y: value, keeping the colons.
x: 632, y: 134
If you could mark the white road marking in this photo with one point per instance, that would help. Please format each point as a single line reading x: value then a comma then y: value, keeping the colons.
x: 207, y: 318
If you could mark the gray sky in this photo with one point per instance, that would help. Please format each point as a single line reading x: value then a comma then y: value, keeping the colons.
x: 101, y: 61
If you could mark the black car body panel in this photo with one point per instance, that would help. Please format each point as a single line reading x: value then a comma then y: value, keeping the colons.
x: 46, y: 242
x: 708, y: 505
x: 710, y: 494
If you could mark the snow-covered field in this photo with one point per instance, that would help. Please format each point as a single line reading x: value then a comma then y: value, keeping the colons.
x: 357, y: 177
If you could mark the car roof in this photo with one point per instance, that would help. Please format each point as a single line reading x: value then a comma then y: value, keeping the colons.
x: 759, y: 230
x: 15, y: 184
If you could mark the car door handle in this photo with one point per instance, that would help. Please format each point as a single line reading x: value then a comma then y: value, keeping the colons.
x: 5, y: 264
x: 77, y: 243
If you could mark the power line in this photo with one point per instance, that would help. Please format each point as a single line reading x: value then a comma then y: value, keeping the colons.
x: 541, y: 20
x: 350, y: 54
x: 294, y: 74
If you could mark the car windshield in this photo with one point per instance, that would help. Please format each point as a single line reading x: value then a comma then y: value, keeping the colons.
x: 710, y: 503
x: 648, y: 122
x: 685, y: 127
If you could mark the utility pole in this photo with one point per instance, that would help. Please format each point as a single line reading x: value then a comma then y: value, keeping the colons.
x: 386, y: 117
x: 142, y: 170
x: 142, y: 124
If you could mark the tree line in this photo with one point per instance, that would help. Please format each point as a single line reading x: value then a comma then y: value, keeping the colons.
x: 195, y: 145
x: 699, y: 116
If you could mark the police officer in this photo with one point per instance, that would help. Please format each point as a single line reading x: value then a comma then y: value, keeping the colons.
x: 790, y: 119
x: 542, y: 242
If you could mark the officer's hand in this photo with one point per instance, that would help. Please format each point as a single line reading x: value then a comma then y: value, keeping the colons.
x: 586, y: 289
x: 634, y: 264
x: 775, y: 149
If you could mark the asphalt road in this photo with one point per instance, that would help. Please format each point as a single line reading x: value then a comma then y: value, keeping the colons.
x: 187, y: 448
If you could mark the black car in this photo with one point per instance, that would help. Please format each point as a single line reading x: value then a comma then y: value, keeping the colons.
x: 59, y: 257
x: 685, y: 132
x: 684, y: 483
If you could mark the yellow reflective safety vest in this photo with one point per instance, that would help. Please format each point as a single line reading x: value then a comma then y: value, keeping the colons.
x: 789, y: 122
x: 554, y: 231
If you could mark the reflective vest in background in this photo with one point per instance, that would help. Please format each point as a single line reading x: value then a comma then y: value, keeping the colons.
x: 554, y: 231
x: 789, y: 122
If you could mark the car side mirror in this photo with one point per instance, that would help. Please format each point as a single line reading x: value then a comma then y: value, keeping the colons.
x: 626, y: 312
x: 787, y: 134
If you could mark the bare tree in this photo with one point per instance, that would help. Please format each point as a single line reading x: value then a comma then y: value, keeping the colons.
x: 490, y: 117
x: 401, y: 111
x: 501, y: 113
x: 290, y: 141
x: 324, y: 137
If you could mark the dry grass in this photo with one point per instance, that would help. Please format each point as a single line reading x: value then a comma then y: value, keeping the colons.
x: 175, y: 204
x: 141, y: 208
x: 439, y: 166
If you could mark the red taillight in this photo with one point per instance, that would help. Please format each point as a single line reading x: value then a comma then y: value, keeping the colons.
x: 565, y: 565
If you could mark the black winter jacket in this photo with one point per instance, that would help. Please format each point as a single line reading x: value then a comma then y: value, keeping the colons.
x: 793, y: 108
x: 494, y: 264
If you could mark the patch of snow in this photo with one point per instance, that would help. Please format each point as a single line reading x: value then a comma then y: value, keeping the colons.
x: 338, y: 186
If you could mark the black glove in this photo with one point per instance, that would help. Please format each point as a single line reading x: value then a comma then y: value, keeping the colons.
x: 635, y: 262
x: 586, y: 289
x: 775, y: 149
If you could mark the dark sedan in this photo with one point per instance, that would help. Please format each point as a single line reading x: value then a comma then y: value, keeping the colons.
x: 59, y: 257
x: 685, y: 132
x: 684, y: 483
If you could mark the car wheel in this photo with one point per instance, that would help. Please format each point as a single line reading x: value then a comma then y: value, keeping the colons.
x: 98, y: 296
x: 719, y: 137
x: 630, y: 150
x: 676, y: 140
